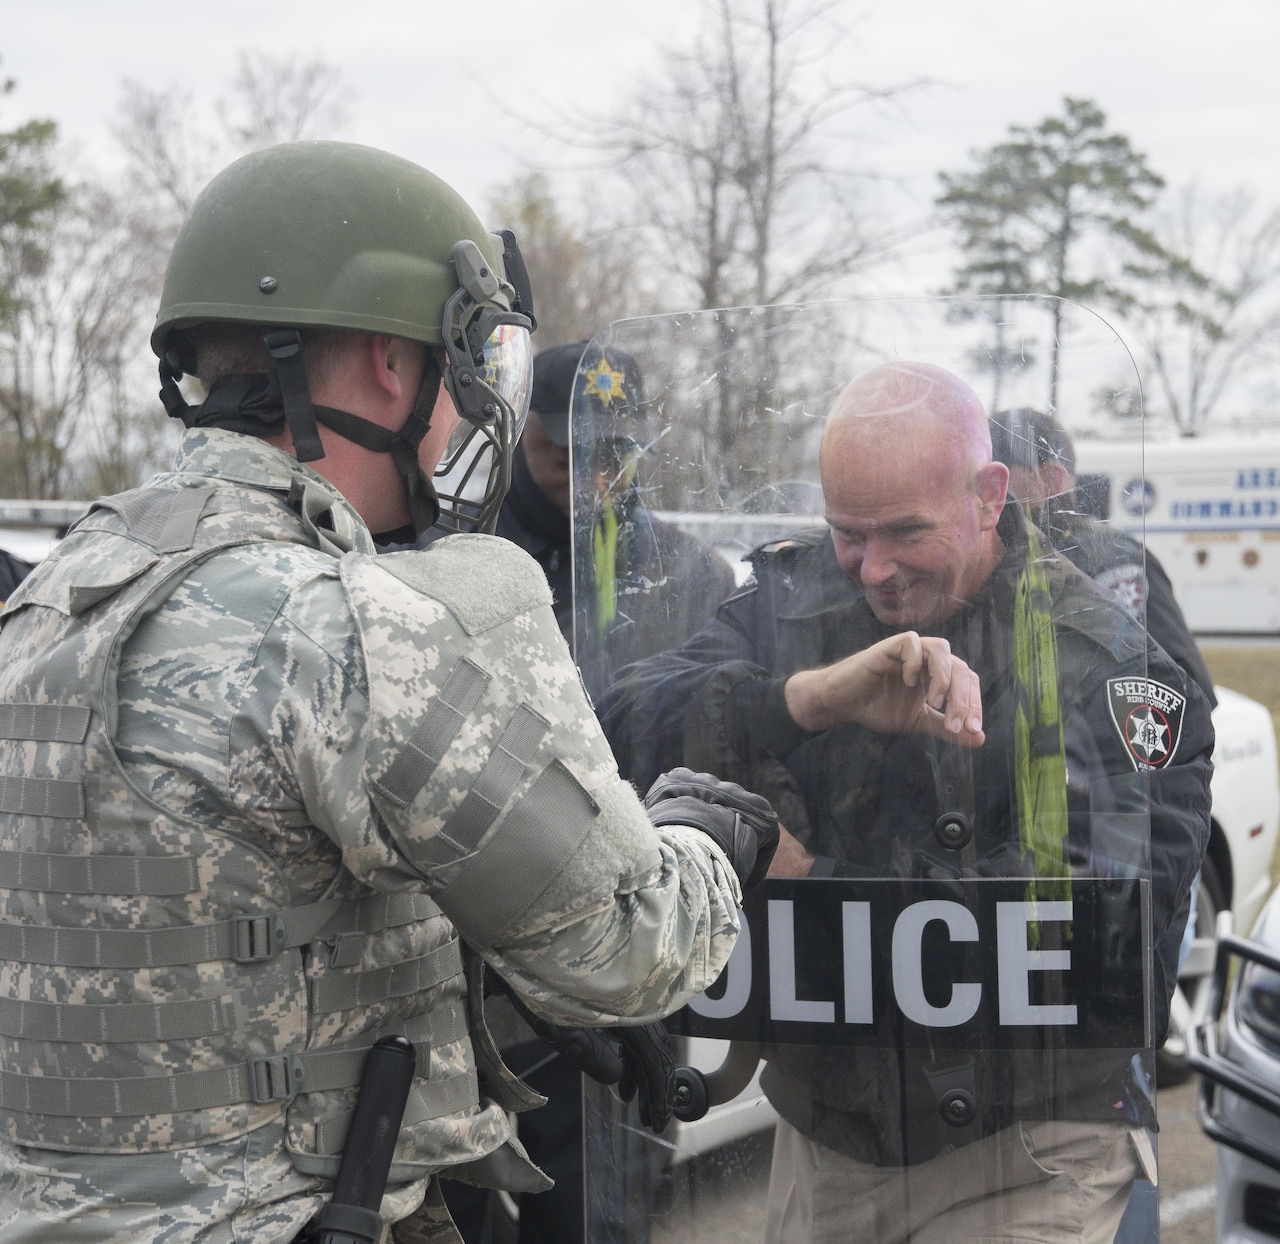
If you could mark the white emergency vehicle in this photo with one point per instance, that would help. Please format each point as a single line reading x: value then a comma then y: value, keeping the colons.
x: 1209, y: 508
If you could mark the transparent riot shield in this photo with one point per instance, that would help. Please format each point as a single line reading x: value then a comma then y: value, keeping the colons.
x: 940, y: 1017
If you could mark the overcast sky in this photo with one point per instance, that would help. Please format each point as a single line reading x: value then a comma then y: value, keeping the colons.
x: 440, y: 82
x: 1195, y: 90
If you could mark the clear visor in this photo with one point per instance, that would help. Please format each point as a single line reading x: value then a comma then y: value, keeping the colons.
x: 475, y: 471
x: 508, y: 370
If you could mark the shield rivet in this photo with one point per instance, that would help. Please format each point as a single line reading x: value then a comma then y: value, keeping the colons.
x: 958, y: 1107
x: 953, y: 830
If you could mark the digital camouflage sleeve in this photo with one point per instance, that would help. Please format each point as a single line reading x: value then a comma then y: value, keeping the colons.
x: 423, y: 711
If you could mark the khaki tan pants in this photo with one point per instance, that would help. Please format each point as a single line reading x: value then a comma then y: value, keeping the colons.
x: 1043, y: 1183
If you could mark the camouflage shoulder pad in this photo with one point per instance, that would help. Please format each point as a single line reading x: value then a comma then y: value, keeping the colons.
x: 481, y: 580
x: 476, y: 719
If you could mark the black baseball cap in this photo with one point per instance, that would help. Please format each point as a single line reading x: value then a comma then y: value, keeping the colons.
x: 608, y: 390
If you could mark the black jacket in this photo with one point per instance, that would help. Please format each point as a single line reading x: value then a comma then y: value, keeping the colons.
x: 1118, y: 562
x: 667, y: 583
x: 12, y: 571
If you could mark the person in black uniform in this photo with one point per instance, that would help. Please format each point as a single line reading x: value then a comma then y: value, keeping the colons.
x: 655, y: 584
x: 919, y: 538
x: 1041, y: 459
x: 12, y: 571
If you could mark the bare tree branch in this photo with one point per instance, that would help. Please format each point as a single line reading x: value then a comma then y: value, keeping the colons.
x: 80, y: 271
x: 1212, y: 316
x: 282, y: 101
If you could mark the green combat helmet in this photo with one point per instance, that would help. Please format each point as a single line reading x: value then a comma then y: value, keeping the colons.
x: 339, y: 236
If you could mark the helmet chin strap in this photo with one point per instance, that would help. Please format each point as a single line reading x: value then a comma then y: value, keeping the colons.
x: 420, y: 492
x: 284, y: 345
x: 283, y: 399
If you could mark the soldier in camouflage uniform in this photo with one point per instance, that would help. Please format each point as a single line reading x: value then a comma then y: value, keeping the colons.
x: 259, y: 786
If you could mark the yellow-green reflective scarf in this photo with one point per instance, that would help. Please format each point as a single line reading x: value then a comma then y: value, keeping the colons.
x: 1040, y: 767
x: 604, y: 550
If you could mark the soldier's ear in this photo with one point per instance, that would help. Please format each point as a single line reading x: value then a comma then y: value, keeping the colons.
x: 992, y: 484
x: 389, y: 362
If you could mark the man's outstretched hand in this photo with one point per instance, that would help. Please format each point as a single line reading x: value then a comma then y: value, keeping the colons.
x: 907, y: 683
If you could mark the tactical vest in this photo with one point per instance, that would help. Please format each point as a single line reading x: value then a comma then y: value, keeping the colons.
x: 160, y: 985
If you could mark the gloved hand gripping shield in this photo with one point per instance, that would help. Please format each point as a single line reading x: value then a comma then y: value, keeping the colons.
x: 964, y: 952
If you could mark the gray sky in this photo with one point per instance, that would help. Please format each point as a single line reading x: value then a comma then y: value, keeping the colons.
x: 434, y: 82
x: 430, y: 78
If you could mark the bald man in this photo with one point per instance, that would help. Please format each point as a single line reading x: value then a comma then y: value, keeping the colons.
x: 919, y: 541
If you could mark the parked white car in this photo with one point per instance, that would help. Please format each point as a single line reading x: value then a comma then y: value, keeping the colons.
x: 1236, y: 876
x: 1236, y: 1048
x: 31, y: 529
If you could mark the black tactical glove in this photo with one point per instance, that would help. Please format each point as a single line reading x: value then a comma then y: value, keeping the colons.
x: 743, y: 825
x: 647, y: 1070
x: 638, y: 1060
x: 590, y: 1050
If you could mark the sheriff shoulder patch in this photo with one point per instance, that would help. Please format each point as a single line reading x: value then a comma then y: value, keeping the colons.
x: 1148, y: 717
x: 1129, y: 585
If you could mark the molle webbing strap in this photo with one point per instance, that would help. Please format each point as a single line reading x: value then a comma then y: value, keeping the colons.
x: 42, y: 797
x: 245, y: 939
x: 542, y: 833
x: 382, y: 911
x: 117, y: 1022
x: 348, y: 990
x: 496, y: 782
x: 250, y: 938
x: 417, y: 761
x: 261, y: 1080
x: 44, y: 723
x: 204, y: 1016
x: 429, y: 1098
x: 155, y: 875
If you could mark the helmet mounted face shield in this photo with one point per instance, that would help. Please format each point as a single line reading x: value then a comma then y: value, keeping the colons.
x: 488, y: 373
